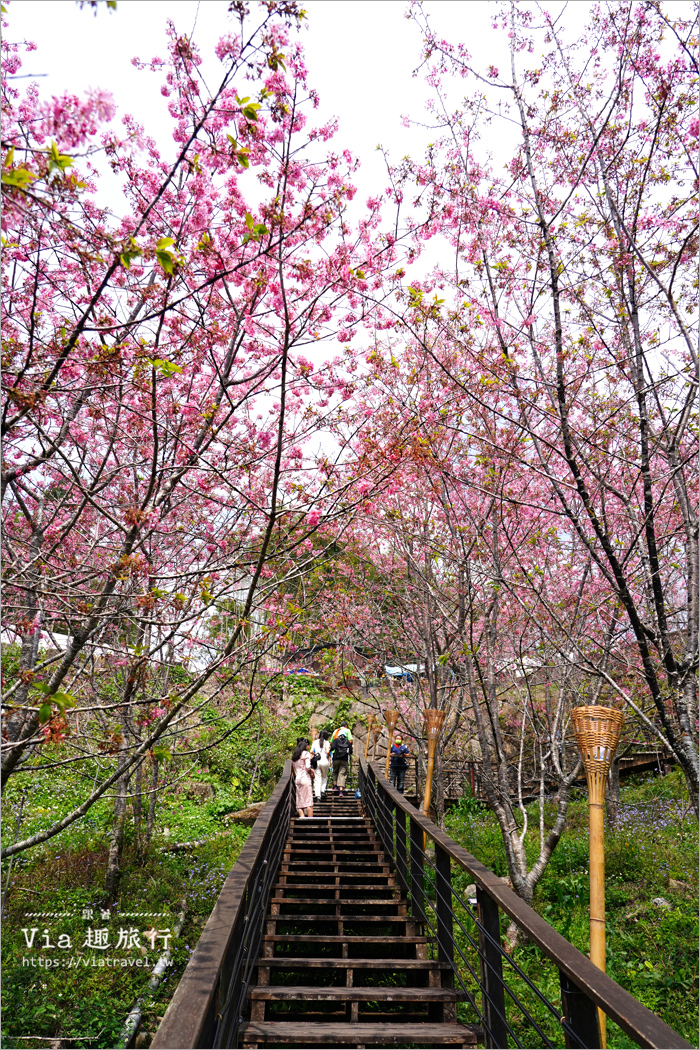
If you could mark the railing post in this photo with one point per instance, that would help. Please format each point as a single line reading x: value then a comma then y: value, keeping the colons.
x: 389, y: 826
x: 401, y: 852
x: 579, y: 1012
x: 443, y: 893
x: 372, y: 782
x: 417, y: 886
x: 494, y: 1005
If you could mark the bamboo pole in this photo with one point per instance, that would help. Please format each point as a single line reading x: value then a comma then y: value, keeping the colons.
x: 391, y: 718
x: 370, y: 726
x: 597, y: 731
x: 376, y: 733
x: 433, y: 721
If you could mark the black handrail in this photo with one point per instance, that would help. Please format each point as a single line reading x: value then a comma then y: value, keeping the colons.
x: 497, y: 1006
x: 207, y: 1007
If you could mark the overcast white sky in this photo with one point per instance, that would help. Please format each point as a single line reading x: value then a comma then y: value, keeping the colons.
x: 360, y: 55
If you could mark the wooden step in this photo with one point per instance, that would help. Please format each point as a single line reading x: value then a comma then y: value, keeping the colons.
x: 384, y: 902
x: 287, y: 886
x: 313, y: 1033
x: 313, y: 864
x: 342, y: 939
x: 372, y: 994
x: 334, y: 962
x: 344, y: 918
x: 324, y: 850
x: 364, y: 872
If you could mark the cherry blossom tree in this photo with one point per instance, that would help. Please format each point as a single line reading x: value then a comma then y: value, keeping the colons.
x: 569, y: 308
x: 162, y: 421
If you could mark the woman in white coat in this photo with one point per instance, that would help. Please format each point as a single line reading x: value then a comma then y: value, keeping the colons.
x: 321, y: 748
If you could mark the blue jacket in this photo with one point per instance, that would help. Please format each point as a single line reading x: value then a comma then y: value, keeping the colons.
x: 398, y: 756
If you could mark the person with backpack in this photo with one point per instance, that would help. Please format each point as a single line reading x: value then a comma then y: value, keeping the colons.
x: 321, y: 748
x: 399, y: 764
x: 341, y: 751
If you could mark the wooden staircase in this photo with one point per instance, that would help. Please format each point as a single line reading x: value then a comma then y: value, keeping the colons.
x: 343, y: 964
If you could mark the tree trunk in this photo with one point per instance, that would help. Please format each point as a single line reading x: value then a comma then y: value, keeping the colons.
x: 115, y: 849
x: 152, y: 803
x: 138, y: 808
x: 612, y: 797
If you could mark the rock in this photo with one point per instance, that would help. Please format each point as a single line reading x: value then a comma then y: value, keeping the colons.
x: 200, y: 791
x: 245, y: 816
x: 661, y: 902
x: 143, y: 1039
x: 678, y: 886
x: 471, y: 890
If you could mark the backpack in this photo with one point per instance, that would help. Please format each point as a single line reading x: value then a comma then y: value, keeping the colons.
x: 342, y: 748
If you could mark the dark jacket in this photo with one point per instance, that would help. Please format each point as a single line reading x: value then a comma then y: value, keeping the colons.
x: 334, y: 747
x: 398, y: 756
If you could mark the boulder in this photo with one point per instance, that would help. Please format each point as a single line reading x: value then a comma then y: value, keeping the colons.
x: 248, y: 815
x: 661, y: 902
x: 198, y: 790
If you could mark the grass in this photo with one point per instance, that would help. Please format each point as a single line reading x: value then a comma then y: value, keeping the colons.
x: 52, y: 886
x: 651, y: 853
x: 79, y: 1002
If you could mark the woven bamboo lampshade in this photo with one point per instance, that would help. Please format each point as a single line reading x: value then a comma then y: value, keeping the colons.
x: 597, y: 732
x: 433, y: 721
x: 391, y: 717
x: 376, y: 733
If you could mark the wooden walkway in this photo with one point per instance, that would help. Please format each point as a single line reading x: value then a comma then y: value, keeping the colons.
x: 349, y: 929
x: 342, y: 961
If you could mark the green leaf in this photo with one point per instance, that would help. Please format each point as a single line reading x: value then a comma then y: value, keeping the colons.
x: 249, y: 220
x: 44, y: 713
x: 166, y: 368
x: 40, y: 687
x: 165, y: 242
x: 19, y: 177
x: 58, y: 160
x: 165, y: 260
x: 162, y: 753
x: 63, y: 700
x: 243, y: 160
x: 131, y: 252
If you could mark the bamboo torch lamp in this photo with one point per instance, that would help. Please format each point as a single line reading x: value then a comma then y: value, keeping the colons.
x: 433, y: 721
x: 391, y: 718
x: 370, y: 727
x: 376, y: 733
x: 597, y: 732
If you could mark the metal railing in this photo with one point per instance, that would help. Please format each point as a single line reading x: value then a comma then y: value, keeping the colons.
x: 559, y: 1006
x: 208, y: 1005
